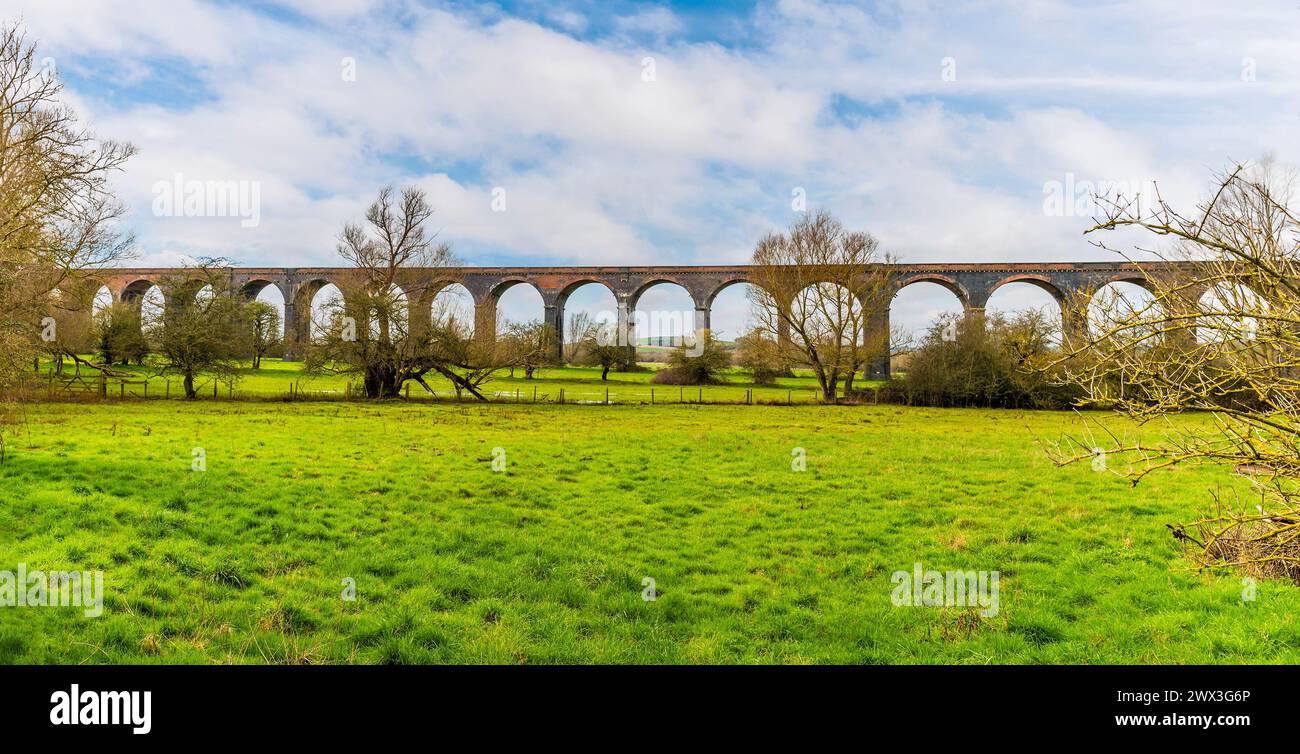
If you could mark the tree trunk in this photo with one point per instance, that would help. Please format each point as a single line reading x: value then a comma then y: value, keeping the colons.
x: 190, y: 393
x: 382, y: 382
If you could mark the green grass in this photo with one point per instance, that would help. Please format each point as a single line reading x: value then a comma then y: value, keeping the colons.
x: 543, y: 563
x: 276, y: 378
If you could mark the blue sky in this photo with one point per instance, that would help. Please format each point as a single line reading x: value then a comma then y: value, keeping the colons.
x: 935, y: 126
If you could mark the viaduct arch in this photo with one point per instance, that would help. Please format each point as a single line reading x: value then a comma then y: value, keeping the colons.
x: 972, y: 284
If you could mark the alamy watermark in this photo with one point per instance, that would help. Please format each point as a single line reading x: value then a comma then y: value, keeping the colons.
x: 77, y: 707
x: 1073, y: 197
x: 84, y: 589
x: 181, y: 198
x: 670, y: 327
x: 929, y: 588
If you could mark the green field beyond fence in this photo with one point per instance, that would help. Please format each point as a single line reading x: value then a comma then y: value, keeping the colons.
x: 280, y: 380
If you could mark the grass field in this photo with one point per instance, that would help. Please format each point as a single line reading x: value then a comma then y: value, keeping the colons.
x: 580, y: 384
x: 544, y: 562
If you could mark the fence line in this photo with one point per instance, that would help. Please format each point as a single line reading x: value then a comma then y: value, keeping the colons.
x: 99, y: 387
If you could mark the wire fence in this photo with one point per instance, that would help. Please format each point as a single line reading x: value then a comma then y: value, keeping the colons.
x: 101, y: 387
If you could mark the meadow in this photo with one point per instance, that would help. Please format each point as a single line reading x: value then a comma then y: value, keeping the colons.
x: 525, y: 534
x: 278, y: 379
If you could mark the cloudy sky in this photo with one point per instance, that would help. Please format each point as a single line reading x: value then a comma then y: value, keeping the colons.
x: 614, y: 132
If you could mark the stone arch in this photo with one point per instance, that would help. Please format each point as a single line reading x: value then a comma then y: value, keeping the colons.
x: 1139, y: 280
x: 452, y: 299
x: 712, y: 298
x: 252, y: 288
x: 563, y: 296
x: 101, y: 297
x: 724, y: 285
x: 1039, y: 281
x: 271, y: 293
x: 308, y: 289
x: 135, y: 290
x: 1109, y: 305
x: 422, y: 292
x: 1063, y: 316
x: 918, y: 309
x: 309, y: 320
x: 501, y: 286
x: 487, y: 307
x: 557, y: 315
x: 667, y: 324
x: 956, y: 288
x: 635, y: 296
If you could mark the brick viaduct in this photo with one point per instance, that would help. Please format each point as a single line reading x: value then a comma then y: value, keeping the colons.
x: 972, y: 284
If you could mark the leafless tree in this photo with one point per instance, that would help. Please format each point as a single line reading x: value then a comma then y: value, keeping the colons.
x: 818, y: 290
x: 369, y: 331
x: 58, y: 215
x: 1221, y: 334
x: 596, y: 343
x: 527, y: 345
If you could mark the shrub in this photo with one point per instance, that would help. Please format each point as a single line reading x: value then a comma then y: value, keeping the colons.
x: 761, y: 357
x: 993, y: 361
x: 688, y: 368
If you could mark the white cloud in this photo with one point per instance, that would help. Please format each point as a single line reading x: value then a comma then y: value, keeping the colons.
x: 602, y: 167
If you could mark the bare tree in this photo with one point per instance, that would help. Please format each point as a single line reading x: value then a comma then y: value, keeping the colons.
x: 819, y: 291
x: 1221, y: 334
x: 528, y: 346
x: 66, y: 328
x: 580, y: 326
x: 596, y: 343
x: 369, y: 331
x: 58, y: 216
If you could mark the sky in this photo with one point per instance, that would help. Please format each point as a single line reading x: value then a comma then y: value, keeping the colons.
x: 617, y: 133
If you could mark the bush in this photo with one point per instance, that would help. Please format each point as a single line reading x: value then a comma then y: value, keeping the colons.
x: 686, y: 368
x: 761, y: 357
x: 997, y: 365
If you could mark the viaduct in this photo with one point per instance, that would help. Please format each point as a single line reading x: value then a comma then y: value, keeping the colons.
x: 972, y: 284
